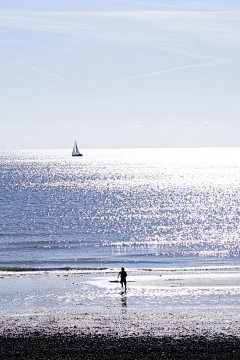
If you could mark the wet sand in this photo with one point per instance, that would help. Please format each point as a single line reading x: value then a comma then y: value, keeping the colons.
x: 59, y: 346
x: 82, y: 315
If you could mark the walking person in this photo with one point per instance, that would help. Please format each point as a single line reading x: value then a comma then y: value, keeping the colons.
x: 123, y: 276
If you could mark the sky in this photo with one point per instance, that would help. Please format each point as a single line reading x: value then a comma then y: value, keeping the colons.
x: 119, y: 74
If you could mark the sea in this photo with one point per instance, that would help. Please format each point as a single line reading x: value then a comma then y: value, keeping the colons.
x: 137, y: 208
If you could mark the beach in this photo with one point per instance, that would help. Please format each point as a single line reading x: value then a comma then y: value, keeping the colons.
x: 67, y: 229
x: 96, y: 347
x: 83, y: 310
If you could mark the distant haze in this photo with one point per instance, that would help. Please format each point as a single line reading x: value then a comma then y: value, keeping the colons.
x: 119, y: 74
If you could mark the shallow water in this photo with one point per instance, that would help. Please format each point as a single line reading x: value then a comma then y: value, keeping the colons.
x: 159, y: 303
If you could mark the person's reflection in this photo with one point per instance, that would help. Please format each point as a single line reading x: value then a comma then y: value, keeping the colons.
x: 124, y: 301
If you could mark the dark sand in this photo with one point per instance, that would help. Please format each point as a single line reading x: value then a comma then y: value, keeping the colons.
x: 70, y: 346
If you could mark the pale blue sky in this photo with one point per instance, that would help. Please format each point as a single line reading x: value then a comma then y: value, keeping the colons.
x: 119, y: 73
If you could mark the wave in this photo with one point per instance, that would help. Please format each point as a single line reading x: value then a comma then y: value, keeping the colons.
x: 27, y: 269
x: 162, y: 270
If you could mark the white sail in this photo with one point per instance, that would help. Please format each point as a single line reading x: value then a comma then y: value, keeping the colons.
x: 75, y: 151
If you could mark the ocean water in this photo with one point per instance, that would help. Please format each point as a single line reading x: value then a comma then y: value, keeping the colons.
x: 138, y: 208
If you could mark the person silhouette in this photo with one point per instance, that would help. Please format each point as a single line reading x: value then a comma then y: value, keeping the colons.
x: 123, y: 276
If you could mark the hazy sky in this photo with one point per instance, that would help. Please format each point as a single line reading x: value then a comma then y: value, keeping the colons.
x: 121, y: 73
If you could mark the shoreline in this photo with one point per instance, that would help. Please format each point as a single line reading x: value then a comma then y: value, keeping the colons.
x: 84, y: 315
x: 170, y: 304
x: 12, y: 269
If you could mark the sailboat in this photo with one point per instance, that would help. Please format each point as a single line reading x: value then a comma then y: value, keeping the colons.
x: 75, y: 151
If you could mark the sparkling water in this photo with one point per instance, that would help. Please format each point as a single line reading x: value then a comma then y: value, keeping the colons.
x: 141, y: 208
